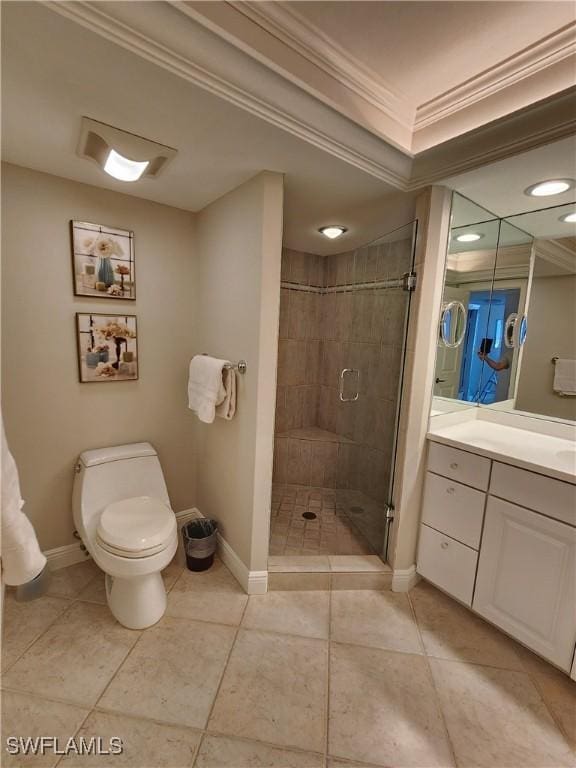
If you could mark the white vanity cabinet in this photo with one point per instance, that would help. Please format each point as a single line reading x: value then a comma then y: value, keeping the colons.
x: 526, y: 579
x: 502, y: 540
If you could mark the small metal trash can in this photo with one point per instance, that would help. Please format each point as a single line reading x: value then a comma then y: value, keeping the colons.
x: 199, y: 538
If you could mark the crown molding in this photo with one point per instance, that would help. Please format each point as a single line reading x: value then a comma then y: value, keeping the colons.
x: 311, y: 42
x: 542, y: 123
x: 531, y: 74
x: 518, y: 67
x: 557, y: 254
x: 167, y: 35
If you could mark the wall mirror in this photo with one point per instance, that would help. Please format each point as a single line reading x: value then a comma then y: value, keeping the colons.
x: 508, y: 311
x: 549, y: 331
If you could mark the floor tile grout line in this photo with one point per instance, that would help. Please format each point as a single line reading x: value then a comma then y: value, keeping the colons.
x: 534, y: 680
x: 120, y: 665
x: 433, y: 683
x: 74, y: 735
x: 36, y: 639
x: 226, y: 663
x: 328, y: 669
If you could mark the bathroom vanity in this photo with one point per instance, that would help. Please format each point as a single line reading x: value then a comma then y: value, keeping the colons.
x: 498, y: 527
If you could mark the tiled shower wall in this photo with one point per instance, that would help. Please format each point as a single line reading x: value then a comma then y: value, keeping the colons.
x: 299, y: 343
x: 320, y: 334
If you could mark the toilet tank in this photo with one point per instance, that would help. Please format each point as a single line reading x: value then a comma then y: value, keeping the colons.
x: 111, y: 474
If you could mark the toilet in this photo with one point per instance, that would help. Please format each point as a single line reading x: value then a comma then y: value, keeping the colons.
x: 123, y: 515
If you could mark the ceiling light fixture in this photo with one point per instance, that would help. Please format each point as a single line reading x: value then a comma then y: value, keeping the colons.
x: 469, y: 237
x: 113, y: 150
x: 332, y: 231
x: 550, y: 187
x: 569, y: 218
x: 123, y: 168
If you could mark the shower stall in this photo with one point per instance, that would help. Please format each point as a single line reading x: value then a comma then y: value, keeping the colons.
x: 343, y: 325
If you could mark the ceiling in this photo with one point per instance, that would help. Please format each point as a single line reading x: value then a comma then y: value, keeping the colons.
x: 427, y: 48
x: 55, y: 71
x: 414, y: 73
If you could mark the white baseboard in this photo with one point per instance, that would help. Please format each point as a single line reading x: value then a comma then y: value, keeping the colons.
x: 62, y: 557
x: 404, y: 579
x: 252, y: 582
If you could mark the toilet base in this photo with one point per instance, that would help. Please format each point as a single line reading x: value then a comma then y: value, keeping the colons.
x: 136, y: 603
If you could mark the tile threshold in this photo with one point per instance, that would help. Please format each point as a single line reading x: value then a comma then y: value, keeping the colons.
x: 327, y: 564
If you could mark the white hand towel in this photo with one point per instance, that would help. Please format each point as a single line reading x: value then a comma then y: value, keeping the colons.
x: 227, y: 408
x: 206, y: 386
x: 565, y: 377
x: 22, y: 559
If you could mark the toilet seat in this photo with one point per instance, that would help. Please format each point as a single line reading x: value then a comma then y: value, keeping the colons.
x: 136, y: 527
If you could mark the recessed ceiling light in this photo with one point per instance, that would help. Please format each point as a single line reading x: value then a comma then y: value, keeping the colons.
x: 569, y: 218
x: 469, y: 237
x: 333, y: 231
x: 124, y: 169
x: 112, y: 149
x: 550, y: 187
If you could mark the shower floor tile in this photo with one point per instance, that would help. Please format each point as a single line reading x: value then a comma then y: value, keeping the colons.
x: 317, y: 521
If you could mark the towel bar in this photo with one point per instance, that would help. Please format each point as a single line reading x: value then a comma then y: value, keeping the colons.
x: 241, y: 366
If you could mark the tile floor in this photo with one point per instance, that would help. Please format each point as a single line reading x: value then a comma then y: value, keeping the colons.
x: 291, y: 679
x: 342, y: 525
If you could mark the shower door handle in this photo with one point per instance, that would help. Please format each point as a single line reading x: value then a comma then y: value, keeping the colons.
x: 343, y: 373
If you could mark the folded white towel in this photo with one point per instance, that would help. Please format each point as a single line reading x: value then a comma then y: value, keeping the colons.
x: 565, y: 377
x: 211, y: 384
x: 22, y: 559
x: 227, y: 408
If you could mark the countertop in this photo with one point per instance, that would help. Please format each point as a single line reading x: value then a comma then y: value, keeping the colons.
x: 546, y: 454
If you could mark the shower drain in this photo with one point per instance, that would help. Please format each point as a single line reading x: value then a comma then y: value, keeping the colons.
x: 309, y: 515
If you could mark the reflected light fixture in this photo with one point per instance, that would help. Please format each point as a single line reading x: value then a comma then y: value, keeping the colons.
x: 569, y: 218
x: 550, y: 187
x: 122, y: 155
x: 332, y: 231
x: 469, y: 237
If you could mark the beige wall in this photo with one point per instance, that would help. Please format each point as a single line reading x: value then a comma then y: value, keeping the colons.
x: 49, y: 416
x: 239, y: 242
x: 551, y: 333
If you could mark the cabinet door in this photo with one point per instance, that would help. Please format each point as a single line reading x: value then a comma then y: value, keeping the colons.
x: 526, y: 579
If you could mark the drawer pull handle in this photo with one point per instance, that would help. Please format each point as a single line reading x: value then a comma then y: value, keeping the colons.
x: 444, y: 545
x: 450, y: 490
x: 454, y: 465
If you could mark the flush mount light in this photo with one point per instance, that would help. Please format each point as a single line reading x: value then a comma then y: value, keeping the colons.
x: 550, y: 187
x: 124, y: 169
x: 569, y: 218
x: 469, y: 237
x: 333, y: 231
x: 123, y: 155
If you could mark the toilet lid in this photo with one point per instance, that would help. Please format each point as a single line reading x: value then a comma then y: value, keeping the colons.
x: 136, y: 524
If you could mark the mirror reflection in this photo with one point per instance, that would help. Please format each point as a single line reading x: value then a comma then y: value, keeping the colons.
x: 507, y: 335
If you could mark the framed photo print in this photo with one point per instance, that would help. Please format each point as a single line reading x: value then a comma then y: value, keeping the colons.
x: 107, y: 347
x: 103, y: 261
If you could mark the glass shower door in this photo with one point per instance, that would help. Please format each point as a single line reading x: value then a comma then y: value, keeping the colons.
x: 370, y: 304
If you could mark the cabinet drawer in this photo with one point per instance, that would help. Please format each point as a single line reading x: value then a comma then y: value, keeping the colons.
x: 454, y: 509
x: 459, y: 465
x: 542, y: 494
x: 447, y: 563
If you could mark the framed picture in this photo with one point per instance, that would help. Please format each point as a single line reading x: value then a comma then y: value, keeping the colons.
x: 103, y: 262
x: 107, y: 347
